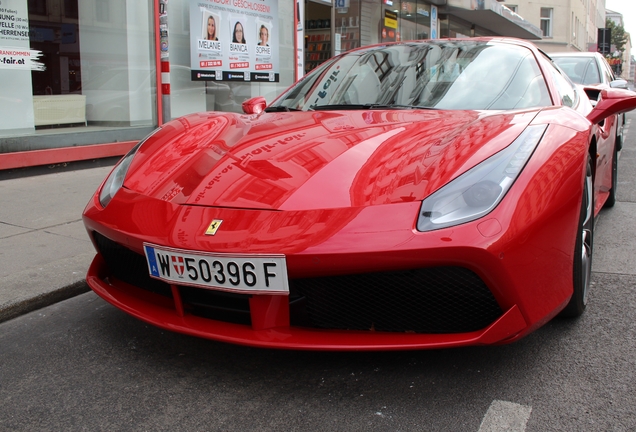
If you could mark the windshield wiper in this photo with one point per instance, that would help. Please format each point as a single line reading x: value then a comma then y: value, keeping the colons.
x: 401, y: 106
x: 368, y: 106
x: 280, y: 108
x: 338, y: 107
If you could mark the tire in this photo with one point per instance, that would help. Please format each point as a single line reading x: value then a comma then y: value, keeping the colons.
x: 620, y: 122
x: 583, y: 250
x: 611, y: 199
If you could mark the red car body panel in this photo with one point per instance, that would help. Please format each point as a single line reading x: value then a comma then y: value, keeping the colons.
x: 338, y: 192
x: 311, y: 154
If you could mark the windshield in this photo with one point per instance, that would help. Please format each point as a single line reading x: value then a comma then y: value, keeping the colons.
x: 581, y: 70
x: 452, y: 75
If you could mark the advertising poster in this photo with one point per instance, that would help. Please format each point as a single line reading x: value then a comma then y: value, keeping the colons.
x: 390, y: 25
x: 234, y: 40
x: 14, y: 38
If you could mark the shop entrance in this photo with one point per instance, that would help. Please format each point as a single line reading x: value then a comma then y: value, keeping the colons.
x: 318, y: 44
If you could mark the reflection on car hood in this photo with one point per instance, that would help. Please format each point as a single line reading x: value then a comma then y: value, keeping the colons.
x: 314, y: 160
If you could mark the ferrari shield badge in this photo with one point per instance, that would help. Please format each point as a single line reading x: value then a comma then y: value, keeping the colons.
x: 214, y: 226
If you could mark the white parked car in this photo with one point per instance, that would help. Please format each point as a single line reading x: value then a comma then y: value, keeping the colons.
x: 591, y: 68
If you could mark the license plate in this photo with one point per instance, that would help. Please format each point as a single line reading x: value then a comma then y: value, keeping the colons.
x: 259, y: 274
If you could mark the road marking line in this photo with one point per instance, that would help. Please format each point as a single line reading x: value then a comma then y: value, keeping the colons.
x: 505, y: 416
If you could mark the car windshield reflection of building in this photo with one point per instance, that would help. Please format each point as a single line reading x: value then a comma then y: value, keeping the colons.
x: 441, y: 75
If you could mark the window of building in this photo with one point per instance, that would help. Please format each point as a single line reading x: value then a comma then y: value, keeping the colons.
x: 415, y: 20
x: 512, y: 8
x: 70, y: 9
x: 37, y: 7
x: 546, y: 21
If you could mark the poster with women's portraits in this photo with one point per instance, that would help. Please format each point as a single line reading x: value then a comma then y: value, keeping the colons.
x: 234, y: 40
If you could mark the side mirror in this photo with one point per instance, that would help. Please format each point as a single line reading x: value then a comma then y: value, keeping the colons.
x: 612, y: 101
x: 619, y: 83
x: 255, y: 105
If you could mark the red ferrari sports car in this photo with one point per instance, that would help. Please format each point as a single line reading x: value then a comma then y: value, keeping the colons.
x: 410, y: 195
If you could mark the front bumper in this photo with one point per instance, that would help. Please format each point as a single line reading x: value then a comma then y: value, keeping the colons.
x: 525, y: 266
x: 270, y: 327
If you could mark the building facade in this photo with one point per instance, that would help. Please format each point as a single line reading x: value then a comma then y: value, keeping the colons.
x: 81, y: 76
x: 566, y: 25
x: 626, y: 56
x: 571, y: 25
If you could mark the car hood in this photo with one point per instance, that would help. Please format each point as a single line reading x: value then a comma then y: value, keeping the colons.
x: 316, y: 160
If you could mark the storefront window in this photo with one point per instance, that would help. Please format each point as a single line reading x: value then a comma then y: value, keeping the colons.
x: 348, y: 25
x: 318, y: 30
x: 188, y: 96
x: 118, y: 64
x: 88, y: 68
x: 86, y: 64
x: 415, y: 20
x: 371, y: 21
x: 396, y: 20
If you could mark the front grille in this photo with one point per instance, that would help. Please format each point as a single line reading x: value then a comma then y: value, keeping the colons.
x: 129, y: 266
x: 217, y: 305
x: 132, y: 268
x: 432, y: 300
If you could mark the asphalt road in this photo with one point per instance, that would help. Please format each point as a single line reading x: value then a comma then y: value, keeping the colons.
x: 81, y: 364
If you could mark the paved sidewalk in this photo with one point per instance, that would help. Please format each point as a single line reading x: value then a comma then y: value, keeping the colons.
x: 44, y: 248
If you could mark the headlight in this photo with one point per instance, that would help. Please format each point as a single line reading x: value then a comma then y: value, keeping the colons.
x: 478, y: 191
x: 116, y: 178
